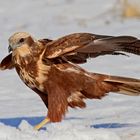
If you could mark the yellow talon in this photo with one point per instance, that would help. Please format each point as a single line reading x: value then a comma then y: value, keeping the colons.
x: 41, y: 124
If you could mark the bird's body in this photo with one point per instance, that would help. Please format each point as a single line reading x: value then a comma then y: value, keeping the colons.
x: 43, y: 77
x: 50, y: 68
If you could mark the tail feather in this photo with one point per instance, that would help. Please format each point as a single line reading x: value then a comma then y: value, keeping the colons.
x: 127, y: 86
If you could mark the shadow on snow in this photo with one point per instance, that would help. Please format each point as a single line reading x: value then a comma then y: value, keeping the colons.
x: 112, y: 125
x: 14, y: 122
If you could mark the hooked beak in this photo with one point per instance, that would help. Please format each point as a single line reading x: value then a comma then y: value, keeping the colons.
x: 10, y: 49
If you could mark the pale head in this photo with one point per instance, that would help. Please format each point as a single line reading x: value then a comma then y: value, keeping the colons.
x: 18, y: 39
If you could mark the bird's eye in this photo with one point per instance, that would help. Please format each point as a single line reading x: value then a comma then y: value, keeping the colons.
x: 21, y: 40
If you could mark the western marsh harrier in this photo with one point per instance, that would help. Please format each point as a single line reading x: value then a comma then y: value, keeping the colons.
x: 50, y: 68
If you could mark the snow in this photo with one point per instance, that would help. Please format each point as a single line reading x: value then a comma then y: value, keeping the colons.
x: 115, y: 117
x: 26, y: 132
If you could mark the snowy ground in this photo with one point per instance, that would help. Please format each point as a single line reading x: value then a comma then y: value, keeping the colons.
x: 115, y: 117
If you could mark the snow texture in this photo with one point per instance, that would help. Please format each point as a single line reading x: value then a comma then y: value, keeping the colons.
x: 115, y: 117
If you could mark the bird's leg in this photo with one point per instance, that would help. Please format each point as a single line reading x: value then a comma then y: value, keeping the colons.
x: 41, y: 124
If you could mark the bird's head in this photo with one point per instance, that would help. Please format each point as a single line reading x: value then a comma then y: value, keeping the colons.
x: 18, y: 39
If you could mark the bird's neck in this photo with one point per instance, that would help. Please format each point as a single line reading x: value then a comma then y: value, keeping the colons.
x: 25, y: 54
x: 20, y: 55
x: 22, y: 51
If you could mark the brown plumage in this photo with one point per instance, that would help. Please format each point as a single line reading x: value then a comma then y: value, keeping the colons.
x: 50, y: 68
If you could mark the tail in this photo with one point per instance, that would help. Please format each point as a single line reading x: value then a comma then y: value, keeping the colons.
x: 123, y: 85
x: 96, y: 86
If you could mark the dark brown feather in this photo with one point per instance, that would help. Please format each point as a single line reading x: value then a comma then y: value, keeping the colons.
x: 45, y: 41
x: 7, y: 62
x: 43, y: 96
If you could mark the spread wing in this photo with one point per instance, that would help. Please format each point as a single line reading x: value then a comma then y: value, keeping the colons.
x: 79, y: 47
x: 7, y: 63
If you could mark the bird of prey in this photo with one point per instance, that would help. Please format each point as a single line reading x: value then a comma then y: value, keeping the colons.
x: 50, y: 68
